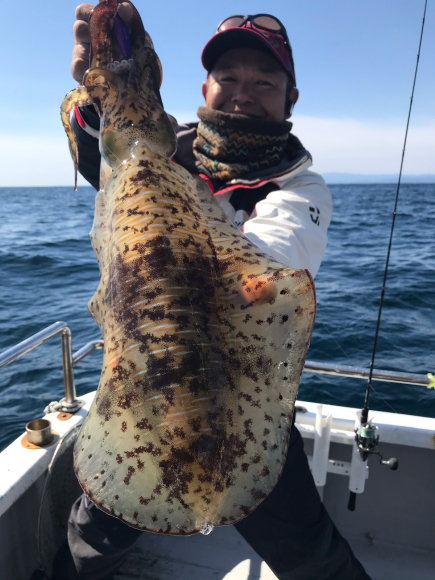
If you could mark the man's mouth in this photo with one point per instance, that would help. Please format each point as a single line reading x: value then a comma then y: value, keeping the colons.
x: 244, y: 112
x: 247, y: 114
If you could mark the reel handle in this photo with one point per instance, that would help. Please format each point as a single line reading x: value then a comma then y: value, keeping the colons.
x: 392, y: 463
x: 352, y: 501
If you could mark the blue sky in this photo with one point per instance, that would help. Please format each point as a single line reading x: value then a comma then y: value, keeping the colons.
x: 354, y: 62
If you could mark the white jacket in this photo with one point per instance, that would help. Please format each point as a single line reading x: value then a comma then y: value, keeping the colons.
x: 291, y: 223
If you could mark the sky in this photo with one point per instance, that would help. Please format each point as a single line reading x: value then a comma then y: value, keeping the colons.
x: 354, y: 60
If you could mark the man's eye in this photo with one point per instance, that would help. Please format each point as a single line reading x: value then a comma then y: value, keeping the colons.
x: 228, y: 80
x: 264, y: 83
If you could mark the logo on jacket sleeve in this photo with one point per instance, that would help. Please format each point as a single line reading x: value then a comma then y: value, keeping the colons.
x: 315, y: 215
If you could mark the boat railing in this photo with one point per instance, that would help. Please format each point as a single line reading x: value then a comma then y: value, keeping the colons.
x: 362, y: 373
x: 86, y: 350
x: 69, y: 361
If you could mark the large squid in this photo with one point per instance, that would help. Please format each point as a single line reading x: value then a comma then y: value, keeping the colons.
x: 205, y: 334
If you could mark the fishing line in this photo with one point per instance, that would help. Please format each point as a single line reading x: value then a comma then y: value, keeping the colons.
x: 333, y: 338
x: 365, y: 410
x: 384, y: 400
x: 345, y: 354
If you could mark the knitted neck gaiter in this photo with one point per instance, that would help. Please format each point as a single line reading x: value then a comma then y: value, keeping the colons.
x: 228, y: 145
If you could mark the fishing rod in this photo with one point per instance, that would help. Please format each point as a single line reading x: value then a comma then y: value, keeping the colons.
x: 365, y: 435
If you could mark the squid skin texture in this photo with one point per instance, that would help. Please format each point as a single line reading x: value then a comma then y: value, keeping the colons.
x: 205, y: 335
x: 205, y: 341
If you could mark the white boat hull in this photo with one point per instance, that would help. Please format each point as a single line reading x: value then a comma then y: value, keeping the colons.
x: 392, y: 530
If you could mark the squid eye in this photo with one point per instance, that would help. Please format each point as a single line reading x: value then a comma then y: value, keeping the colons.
x: 98, y: 78
x: 101, y: 81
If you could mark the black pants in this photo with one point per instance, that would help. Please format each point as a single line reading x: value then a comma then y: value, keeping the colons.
x: 291, y: 530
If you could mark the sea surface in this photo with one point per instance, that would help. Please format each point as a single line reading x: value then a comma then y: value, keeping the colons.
x: 48, y: 272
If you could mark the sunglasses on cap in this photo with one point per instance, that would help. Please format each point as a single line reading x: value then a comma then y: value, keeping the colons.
x: 261, y: 21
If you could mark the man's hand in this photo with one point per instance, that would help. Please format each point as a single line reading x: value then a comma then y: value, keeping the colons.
x: 82, y: 39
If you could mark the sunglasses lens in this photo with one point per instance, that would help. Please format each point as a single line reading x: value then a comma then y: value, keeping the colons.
x: 232, y: 22
x: 267, y: 22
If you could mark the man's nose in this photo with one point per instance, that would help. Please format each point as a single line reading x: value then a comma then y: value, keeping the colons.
x: 243, y: 94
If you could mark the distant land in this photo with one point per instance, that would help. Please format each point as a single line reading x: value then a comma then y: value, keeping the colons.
x: 350, y: 178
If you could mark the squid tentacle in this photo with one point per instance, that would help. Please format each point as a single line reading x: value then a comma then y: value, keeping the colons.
x: 146, y: 58
x: 100, y: 29
x: 100, y: 25
x: 79, y: 97
x: 95, y: 81
x: 138, y: 34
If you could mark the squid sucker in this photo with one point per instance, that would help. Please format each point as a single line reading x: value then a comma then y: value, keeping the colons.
x: 205, y: 335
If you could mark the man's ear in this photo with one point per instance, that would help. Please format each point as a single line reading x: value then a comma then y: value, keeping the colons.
x: 204, y: 89
x: 291, y: 102
x: 294, y: 96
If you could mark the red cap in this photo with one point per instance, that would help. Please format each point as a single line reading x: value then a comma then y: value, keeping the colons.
x: 252, y: 37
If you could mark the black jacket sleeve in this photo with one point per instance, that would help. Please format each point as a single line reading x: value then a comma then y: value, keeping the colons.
x: 89, y: 153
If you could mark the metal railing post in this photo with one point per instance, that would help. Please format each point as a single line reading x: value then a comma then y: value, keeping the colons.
x: 68, y: 373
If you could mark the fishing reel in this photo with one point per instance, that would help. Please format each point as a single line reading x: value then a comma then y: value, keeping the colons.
x: 367, y: 442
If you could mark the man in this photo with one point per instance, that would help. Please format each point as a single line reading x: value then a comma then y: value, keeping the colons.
x: 257, y: 169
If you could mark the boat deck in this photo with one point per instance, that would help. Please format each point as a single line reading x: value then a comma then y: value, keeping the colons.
x: 221, y: 554
x: 224, y: 555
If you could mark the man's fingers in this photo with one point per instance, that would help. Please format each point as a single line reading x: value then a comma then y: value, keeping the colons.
x: 81, y: 32
x: 83, y: 12
x: 80, y: 61
x: 81, y: 51
x: 78, y: 69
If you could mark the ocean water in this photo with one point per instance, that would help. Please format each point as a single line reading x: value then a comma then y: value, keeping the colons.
x: 49, y: 271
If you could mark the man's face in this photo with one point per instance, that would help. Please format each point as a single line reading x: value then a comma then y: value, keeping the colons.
x: 246, y: 81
